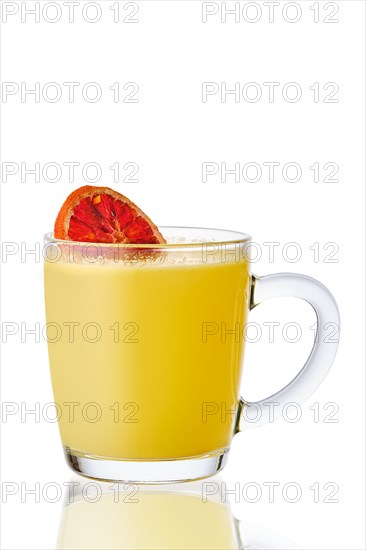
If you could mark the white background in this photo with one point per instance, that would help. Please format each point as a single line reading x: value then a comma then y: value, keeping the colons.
x: 169, y: 133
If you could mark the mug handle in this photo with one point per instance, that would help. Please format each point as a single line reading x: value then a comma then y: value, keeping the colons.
x: 258, y: 413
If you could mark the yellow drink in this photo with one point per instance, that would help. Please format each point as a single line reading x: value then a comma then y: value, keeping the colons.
x: 138, y: 350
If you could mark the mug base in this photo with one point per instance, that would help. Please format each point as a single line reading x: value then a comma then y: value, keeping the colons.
x: 147, y: 471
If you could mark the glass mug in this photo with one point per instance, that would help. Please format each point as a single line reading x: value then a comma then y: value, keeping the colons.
x: 144, y: 353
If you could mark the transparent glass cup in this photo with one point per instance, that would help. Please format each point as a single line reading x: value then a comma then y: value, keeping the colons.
x: 146, y: 346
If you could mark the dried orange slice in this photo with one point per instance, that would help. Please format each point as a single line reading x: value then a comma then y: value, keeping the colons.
x: 102, y: 215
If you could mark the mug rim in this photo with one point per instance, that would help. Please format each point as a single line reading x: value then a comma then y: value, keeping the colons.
x: 237, y: 237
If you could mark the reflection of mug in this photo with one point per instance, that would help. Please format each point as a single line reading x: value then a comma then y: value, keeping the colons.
x: 108, y: 518
x: 146, y: 347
